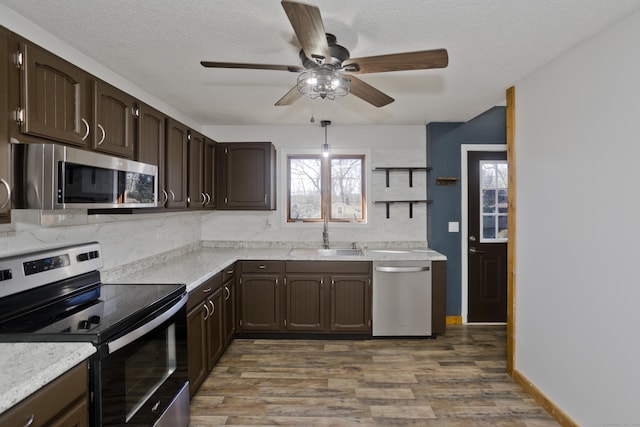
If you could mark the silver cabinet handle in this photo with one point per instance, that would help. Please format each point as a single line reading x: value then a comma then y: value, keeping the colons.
x: 104, y: 134
x: 226, y: 289
x: 6, y: 185
x: 213, y: 307
x: 204, y: 199
x: 173, y: 196
x: 166, y: 197
x: 30, y: 421
x: 262, y: 266
x: 206, y: 308
x: 86, y: 127
x: 155, y: 407
x: 208, y: 199
x: 475, y: 251
x: 206, y: 291
x: 401, y: 269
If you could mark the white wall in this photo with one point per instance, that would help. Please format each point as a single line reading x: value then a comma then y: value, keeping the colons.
x: 578, y: 292
x: 383, y: 146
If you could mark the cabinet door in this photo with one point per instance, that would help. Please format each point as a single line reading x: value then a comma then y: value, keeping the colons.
x: 246, y: 176
x: 75, y: 416
x: 114, y: 131
x: 54, y: 97
x: 350, y: 303
x: 305, y: 302
x: 215, y: 340
x: 229, y: 311
x: 438, y: 297
x: 5, y: 148
x: 195, y: 149
x: 62, y: 402
x: 208, y: 185
x: 150, y: 143
x: 260, y: 302
x: 196, y: 347
x: 176, y: 164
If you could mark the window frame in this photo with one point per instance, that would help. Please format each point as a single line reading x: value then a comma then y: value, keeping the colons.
x: 325, y: 187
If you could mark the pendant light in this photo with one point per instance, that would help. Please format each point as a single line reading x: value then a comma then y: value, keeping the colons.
x: 326, y: 150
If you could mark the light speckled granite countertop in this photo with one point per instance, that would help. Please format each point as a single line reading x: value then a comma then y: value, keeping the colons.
x: 26, y: 367
x: 195, y: 267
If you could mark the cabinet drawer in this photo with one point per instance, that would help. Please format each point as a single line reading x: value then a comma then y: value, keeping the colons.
x: 329, y: 267
x: 52, y: 401
x: 229, y: 273
x: 262, y: 266
x: 199, y: 294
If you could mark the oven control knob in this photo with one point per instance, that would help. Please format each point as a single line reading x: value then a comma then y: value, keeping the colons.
x: 83, y: 324
x: 5, y: 275
x: 94, y: 319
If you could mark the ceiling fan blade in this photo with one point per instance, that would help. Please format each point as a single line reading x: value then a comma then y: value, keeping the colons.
x: 290, y: 97
x: 420, y: 60
x: 212, y: 64
x: 368, y: 93
x: 307, y: 24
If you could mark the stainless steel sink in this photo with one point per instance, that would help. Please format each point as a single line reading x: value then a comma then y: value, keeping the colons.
x: 325, y: 252
x: 340, y: 252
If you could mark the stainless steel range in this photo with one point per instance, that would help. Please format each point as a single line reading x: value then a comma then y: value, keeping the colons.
x: 138, y: 376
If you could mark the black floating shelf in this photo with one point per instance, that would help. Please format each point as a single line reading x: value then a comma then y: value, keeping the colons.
x: 410, y: 202
x: 410, y: 169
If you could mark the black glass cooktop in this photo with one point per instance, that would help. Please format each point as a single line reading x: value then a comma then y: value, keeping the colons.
x: 92, y: 314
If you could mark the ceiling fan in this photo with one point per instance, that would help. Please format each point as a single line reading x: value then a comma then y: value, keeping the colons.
x: 327, y: 69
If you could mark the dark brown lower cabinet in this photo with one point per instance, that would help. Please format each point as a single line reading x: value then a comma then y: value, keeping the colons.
x: 350, y: 303
x: 438, y: 297
x: 63, y: 402
x: 306, y: 297
x: 306, y: 303
x: 204, y: 330
x: 260, y: 299
x: 229, y: 304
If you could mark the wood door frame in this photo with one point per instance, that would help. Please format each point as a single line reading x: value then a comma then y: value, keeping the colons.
x: 464, y: 217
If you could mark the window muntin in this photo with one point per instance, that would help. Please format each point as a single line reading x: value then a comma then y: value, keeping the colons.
x: 314, y: 182
x: 493, y: 200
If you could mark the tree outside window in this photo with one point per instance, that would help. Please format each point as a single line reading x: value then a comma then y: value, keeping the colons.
x: 336, y: 182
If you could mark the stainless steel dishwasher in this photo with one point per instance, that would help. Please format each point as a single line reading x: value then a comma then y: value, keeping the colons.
x: 401, y: 298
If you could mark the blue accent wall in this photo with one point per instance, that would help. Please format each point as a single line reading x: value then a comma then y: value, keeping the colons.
x: 443, y: 155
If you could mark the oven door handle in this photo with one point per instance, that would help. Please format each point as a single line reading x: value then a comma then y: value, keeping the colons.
x: 124, y: 340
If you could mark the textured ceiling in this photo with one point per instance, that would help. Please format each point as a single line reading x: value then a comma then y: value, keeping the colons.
x: 158, y: 45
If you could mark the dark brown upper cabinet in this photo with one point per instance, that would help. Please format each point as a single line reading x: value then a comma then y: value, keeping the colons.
x: 5, y: 149
x: 176, y: 165
x: 246, y: 176
x: 113, y: 120
x: 208, y: 185
x: 150, y: 144
x: 54, y: 97
x: 196, y: 198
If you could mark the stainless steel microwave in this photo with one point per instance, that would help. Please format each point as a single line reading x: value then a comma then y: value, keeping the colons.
x: 53, y: 176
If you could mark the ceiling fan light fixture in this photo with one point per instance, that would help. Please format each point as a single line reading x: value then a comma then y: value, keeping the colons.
x: 324, y: 83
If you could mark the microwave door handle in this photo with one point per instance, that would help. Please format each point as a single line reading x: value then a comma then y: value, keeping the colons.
x: 124, y: 340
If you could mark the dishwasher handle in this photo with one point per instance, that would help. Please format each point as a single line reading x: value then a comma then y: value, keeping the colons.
x: 385, y: 269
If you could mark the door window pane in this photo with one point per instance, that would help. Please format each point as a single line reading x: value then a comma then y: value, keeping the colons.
x: 494, y: 204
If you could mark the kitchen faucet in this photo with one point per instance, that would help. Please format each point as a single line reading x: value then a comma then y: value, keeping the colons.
x: 325, y: 229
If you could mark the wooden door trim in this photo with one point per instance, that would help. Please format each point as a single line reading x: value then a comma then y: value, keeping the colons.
x: 464, y: 218
x: 511, y: 229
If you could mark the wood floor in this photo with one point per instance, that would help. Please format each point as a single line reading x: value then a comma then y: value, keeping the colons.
x: 458, y: 379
